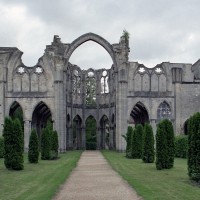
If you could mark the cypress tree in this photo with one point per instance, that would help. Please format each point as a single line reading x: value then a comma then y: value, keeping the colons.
x: 129, y: 141
x: 45, y: 144
x: 148, y: 154
x: 194, y: 147
x: 1, y: 147
x: 54, y: 145
x: 170, y: 143
x: 33, y: 152
x: 133, y: 145
x: 137, y: 142
x: 8, y: 142
x: 161, y: 147
x: 18, y: 146
x: 165, y: 147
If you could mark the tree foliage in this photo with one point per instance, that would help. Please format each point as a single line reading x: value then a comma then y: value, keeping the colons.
x: 33, y: 152
x: 1, y: 147
x: 13, y: 144
x: 91, y: 136
x: 137, y: 142
x: 181, y: 146
x: 49, y: 143
x: 194, y: 147
x: 165, y: 147
x: 54, y: 145
x: 129, y: 141
x: 46, y: 144
x: 148, y: 153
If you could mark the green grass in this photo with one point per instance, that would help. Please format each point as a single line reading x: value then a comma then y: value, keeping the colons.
x: 152, y: 184
x: 37, y: 181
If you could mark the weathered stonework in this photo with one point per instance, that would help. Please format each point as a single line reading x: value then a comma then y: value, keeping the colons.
x: 56, y: 89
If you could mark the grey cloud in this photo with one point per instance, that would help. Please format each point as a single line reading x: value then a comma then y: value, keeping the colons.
x: 159, y: 29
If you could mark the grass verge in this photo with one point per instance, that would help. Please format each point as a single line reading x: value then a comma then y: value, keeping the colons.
x: 37, y: 181
x: 152, y: 184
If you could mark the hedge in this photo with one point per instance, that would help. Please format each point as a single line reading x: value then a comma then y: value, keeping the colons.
x: 181, y: 146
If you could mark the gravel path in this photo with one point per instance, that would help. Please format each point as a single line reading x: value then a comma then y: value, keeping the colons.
x: 94, y: 179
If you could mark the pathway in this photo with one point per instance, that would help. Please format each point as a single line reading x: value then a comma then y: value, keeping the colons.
x: 94, y: 179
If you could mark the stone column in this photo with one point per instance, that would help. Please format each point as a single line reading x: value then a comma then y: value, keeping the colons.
x: 111, y: 138
x: 60, y: 110
x: 98, y: 131
x: 83, y: 138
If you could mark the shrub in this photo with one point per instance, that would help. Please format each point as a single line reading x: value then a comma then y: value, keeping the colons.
x: 137, y: 142
x: 165, y: 148
x: 18, y: 146
x: 13, y: 144
x: 194, y: 147
x: 46, y: 144
x: 129, y: 141
x: 1, y: 147
x: 33, y: 152
x: 181, y: 146
x: 148, y: 153
x: 54, y: 145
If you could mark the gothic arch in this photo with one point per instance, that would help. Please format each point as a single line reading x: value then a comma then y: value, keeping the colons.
x: 164, y: 111
x: 139, y: 114
x: 90, y: 37
x: 41, y: 114
x: 13, y: 107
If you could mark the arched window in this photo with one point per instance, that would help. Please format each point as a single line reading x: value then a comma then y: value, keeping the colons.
x: 90, y: 89
x: 76, y: 82
x: 104, y: 82
x: 164, y: 111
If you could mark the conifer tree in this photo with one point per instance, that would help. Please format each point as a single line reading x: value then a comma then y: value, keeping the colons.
x: 17, y: 146
x: 148, y: 154
x: 33, y: 152
x: 165, y: 147
x: 137, y: 142
x: 45, y: 144
x: 129, y: 141
x: 194, y: 147
x: 1, y: 147
x: 54, y: 145
x: 8, y: 142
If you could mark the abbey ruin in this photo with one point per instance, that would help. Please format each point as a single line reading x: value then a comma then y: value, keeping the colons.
x: 126, y: 94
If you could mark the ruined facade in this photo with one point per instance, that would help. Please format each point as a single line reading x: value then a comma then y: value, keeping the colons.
x: 127, y: 93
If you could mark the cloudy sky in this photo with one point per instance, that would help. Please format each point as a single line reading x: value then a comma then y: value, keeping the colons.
x: 160, y: 30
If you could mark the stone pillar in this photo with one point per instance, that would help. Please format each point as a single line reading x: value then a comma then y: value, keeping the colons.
x: 27, y: 132
x: 121, y: 121
x: 98, y: 131
x: 111, y: 138
x: 60, y: 110
x: 177, y: 109
x: 83, y: 138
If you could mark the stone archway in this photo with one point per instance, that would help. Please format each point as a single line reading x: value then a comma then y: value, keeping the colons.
x: 139, y: 114
x: 16, y: 111
x: 41, y: 115
x: 90, y: 37
x: 91, y: 133
x: 105, y: 136
x: 77, y: 132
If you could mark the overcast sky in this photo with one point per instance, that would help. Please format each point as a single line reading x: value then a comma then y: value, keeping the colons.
x: 160, y: 30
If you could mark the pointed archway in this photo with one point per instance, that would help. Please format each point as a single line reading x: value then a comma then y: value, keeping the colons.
x: 77, y: 132
x: 91, y: 133
x: 139, y: 114
x: 17, y: 112
x: 41, y: 115
x: 104, y: 137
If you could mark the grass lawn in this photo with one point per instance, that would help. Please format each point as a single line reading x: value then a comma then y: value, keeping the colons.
x: 152, y: 184
x: 37, y: 181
